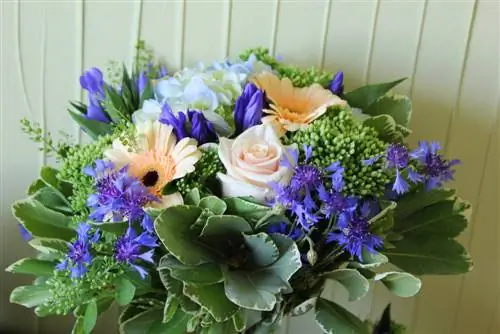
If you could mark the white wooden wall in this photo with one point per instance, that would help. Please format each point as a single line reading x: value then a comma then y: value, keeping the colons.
x: 449, y: 49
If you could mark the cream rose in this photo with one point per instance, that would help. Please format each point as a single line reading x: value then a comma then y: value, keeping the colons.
x: 252, y: 162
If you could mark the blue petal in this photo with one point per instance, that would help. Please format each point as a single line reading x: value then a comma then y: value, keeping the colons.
x: 400, y: 185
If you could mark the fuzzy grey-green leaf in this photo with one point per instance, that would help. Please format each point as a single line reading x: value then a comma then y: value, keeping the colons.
x: 262, y: 248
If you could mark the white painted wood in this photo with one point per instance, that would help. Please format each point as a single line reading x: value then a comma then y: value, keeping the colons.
x: 448, y: 48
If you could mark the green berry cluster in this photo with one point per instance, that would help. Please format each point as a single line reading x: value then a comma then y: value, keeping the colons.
x: 337, y: 136
x: 67, y: 293
x: 301, y: 77
x: 261, y: 54
x: 206, y: 169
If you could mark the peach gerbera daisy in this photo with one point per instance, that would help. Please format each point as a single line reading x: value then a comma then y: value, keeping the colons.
x: 156, y: 158
x: 293, y: 108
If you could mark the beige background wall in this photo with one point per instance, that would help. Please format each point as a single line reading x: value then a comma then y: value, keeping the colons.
x: 449, y: 49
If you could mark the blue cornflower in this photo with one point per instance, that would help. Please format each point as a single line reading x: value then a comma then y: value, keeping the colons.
x: 337, y: 175
x: 285, y: 229
x: 337, y: 84
x: 119, y: 196
x: 357, y: 236
x: 336, y: 204
x: 79, y: 257
x: 178, y: 122
x: 436, y: 168
x: 306, y: 177
x: 92, y: 81
x: 25, y: 234
x: 398, y: 158
x: 201, y: 129
x: 248, y: 108
x: 130, y: 248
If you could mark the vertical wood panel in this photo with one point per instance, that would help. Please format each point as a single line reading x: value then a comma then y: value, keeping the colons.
x: 348, y: 39
x: 205, y: 30
x: 471, y: 138
x: 162, y: 27
x: 436, y: 87
x: 21, y: 98
x: 305, y: 47
x: 245, y: 33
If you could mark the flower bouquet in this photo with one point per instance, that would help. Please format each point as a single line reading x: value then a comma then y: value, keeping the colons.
x: 223, y: 198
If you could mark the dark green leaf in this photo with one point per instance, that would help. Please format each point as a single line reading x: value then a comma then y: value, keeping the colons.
x: 78, y: 326
x: 176, y: 325
x: 171, y: 305
x: 225, y: 225
x: 173, y: 227
x: 90, y: 317
x: 364, y: 96
x: 206, y: 273
x: 93, y: 128
x: 147, y: 94
x: 417, y: 200
x: 52, y: 199
x: 430, y: 256
x: 33, y: 267
x: 125, y: 290
x: 355, y: 283
x: 401, y: 284
x: 30, y: 295
x: 35, y: 186
x: 262, y: 248
x: 214, y: 204
x: 114, y: 105
x: 41, y: 221
x: 257, y: 289
x: 49, y: 176
x: 444, y: 219
x: 142, y: 322
x: 240, y: 320
x: 103, y: 304
x: 334, y: 319
x: 397, y: 106
x: 142, y: 285
x: 173, y: 286
x: 246, y: 209
x: 212, y: 298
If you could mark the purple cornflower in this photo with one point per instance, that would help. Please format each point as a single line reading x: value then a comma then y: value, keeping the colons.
x: 283, y: 228
x: 25, y: 234
x: 337, y: 176
x: 92, y: 81
x: 79, y: 256
x: 130, y: 248
x: 201, y: 129
x: 248, y: 108
x: 306, y: 177
x: 119, y: 196
x: 357, y: 236
x: 178, y: 122
x: 398, y: 158
x: 436, y: 168
x: 337, y: 84
x: 336, y: 204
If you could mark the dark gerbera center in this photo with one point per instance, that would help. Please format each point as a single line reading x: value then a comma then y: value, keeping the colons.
x: 150, y: 178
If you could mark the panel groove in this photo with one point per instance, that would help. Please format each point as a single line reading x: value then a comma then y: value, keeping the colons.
x: 372, y: 40
x: 79, y: 22
x: 272, y: 48
x: 325, y: 33
x: 137, y: 33
x: 19, y: 57
x: 227, y: 42
x: 456, y: 108
x: 417, y: 53
x: 183, y: 33
x: 43, y: 65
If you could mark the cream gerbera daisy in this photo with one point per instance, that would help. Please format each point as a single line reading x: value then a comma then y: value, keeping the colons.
x: 156, y: 158
x: 293, y: 108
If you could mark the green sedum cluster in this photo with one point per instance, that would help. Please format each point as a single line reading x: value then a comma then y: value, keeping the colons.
x: 261, y: 54
x: 337, y: 136
x: 206, y: 169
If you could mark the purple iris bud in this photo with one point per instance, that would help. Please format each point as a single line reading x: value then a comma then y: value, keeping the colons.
x: 142, y: 82
x: 25, y: 234
x: 162, y: 72
x: 201, y: 129
x: 92, y: 81
x: 95, y: 111
x: 337, y: 84
x: 178, y: 123
x: 248, y: 108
